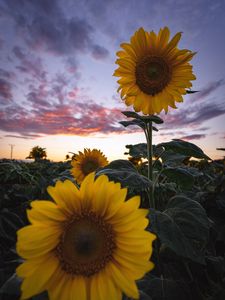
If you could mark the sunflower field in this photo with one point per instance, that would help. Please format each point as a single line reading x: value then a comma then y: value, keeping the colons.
x: 149, y: 227
x: 188, y: 220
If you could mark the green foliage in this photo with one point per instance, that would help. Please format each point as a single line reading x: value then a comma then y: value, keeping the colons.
x: 125, y: 172
x: 185, y: 148
x: 182, y: 176
x: 145, y: 119
x: 189, y: 218
x: 183, y: 227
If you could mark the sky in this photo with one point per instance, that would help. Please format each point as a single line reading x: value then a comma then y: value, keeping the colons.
x: 57, y: 58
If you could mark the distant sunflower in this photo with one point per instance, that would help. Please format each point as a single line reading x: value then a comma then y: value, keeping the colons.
x: 87, y: 162
x: 154, y: 72
x: 89, y: 244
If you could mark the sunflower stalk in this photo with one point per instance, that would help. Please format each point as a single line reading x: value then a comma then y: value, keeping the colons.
x: 150, y: 164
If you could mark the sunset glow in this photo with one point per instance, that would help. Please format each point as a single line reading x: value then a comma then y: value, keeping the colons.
x: 56, y: 85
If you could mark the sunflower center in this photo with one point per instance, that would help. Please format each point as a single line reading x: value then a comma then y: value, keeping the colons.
x: 89, y: 166
x: 152, y: 74
x: 86, y: 245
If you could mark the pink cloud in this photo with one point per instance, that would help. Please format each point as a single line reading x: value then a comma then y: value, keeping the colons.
x: 73, y: 93
x: 5, y: 90
x: 78, y: 119
x: 29, y: 64
x: 193, y: 137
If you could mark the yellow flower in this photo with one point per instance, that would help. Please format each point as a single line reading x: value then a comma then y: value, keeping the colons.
x: 87, y: 162
x: 154, y: 72
x: 90, y: 244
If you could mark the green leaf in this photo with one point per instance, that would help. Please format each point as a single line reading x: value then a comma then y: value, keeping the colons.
x: 142, y: 296
x: 180, y: 176
x: 42, y: 296
x: 133, y: 122
x: 167, y: 289
x: 191, y: 92
x: 131, y: 114
x: 185, y: 148
x: 155, y: 129
x: 172, y: 158
x: 9, y: 224
x: 11, y: 289
x: 146, y: 119
x: 120, y: 164
x: 151, y: 118
x: 138, y: 150
x: 125, y: 172
x: 183, y: 227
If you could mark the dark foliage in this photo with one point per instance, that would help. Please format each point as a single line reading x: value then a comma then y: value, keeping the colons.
x: 189, y: 218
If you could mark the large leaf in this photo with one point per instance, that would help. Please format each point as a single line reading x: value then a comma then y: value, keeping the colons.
x: 180, y: 175
x: 172, y: 158
x: 42, y: 296
x: 9, y: 224
x: 124, y: 172
x: 185, y: 148
x: 138, y: 150
x: 11, y: 289
x: 146, y: 119
x: 133, y: 122
x: 166, y: 289
x: 142, y: 296
x: 183, y: 227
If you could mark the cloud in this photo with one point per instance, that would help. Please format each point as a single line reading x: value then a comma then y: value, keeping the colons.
x: 193, y: 116
x: 209, y: 89
x: 72, y: 67
x: 5, y: 90
x: 1, y: 43
x: 81, y: 118
x: 29, y: 65
x: 27, y: 137
x: 99, y: 52
x: 7, y: 74
x: 193, y: 137
x: 45, y: 27
x: 38, y: 96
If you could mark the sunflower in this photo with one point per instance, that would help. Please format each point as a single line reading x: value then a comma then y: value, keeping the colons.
x: 87, y: 162
x: 89, y: 244
x: 154, y: 72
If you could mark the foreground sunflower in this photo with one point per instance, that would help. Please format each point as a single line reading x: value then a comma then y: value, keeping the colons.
x: 87, y: 162
x: 89, y: 244
x: 154, y: 72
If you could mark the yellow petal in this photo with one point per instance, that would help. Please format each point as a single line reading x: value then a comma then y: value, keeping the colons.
x: 125, y: 283
x: 133, y: 263
x: 66, y: 195
x: 86, y: 191
x: 106, y: 287
x: 34, y: 241
x: 77, y: 289
x: 57, y: 284
x: 45, y: 211
x: 173, y: 43
x: 29, y: 266
x: 129, y: 100
x: 129, y: 49
x: 164, y: 37
x: 35, y: 284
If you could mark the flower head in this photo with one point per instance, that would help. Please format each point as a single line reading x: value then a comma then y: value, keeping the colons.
x: 88, y: 244
x: 154, y: 72
x: 87, y: 162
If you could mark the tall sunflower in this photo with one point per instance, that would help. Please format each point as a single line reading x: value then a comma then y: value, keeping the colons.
x: 89, y: 244
x: 87, y: 162
x: 154, y: 72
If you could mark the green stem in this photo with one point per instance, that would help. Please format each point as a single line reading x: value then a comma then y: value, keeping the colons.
x: 150, y: 155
